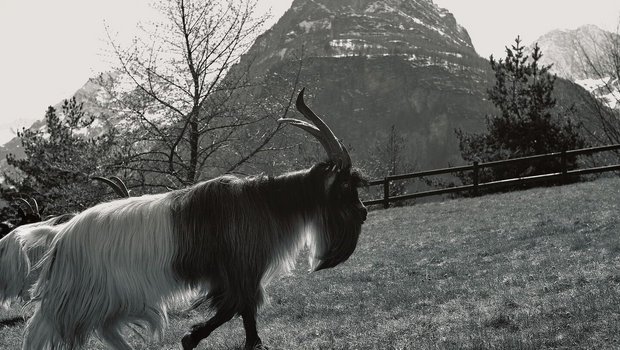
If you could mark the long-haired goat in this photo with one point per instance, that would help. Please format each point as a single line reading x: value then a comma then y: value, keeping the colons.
x: 125, y: 261
x: 20, y: 251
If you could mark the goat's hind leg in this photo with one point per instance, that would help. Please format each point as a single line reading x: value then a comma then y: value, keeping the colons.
x: 112, y: 337
x: 202, y: 330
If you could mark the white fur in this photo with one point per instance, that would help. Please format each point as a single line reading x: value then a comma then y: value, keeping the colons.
x: 20, y: 251
x: 109, y: 266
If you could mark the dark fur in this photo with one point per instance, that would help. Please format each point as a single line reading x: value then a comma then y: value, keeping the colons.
x: 234, y: 233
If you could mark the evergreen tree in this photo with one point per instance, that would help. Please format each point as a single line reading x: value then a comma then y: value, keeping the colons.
x: 528, y: 122
x: 60, y: 161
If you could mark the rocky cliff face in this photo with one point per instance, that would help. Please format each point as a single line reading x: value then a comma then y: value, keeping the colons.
x: 373, y: 64
x: 415, y: 29
x: 568, y: 50
x: 574, y: 53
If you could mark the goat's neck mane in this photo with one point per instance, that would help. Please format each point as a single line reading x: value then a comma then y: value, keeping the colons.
x: 270, y: 215
x: 296, y: 192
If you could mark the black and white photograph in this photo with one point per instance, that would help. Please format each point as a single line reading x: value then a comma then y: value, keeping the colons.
x: 309, y: 174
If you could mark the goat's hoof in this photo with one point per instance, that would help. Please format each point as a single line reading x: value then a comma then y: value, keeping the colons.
x: 258, y: 346
x: 188, y: 342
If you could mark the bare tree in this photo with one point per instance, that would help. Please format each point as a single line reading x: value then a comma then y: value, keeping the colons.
x: 602, y: 62
x: 187, y: 112
x: 390, y: 156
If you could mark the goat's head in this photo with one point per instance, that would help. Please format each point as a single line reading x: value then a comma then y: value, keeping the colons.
x: 32, y: 213
x: 342, y: 211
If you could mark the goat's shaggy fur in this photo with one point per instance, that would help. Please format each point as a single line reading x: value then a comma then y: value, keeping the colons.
x: 125, y: 262
x: 20, y: 251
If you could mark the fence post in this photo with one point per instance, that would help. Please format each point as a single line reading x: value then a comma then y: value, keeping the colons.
x: 476, y: 178
x: 564, y: 167
x: 386, y: 192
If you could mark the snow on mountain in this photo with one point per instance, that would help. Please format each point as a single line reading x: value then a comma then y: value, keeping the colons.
x: 573, y: 53
x: 607, y: 89
x: 415, y: 29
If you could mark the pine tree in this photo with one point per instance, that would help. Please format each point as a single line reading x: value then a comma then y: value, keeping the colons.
x: 528, y: 122
x: 60, y: 161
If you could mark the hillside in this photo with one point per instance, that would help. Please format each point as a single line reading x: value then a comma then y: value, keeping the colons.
x: 533, y: 269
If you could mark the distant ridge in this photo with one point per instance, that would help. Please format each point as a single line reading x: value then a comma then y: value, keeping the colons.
x: 569, y: 51
x: 564, y: 49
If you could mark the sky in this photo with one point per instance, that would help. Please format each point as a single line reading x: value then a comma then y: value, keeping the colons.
x: 49, y: 49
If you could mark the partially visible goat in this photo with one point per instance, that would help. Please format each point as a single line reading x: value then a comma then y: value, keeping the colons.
x: 126, y: 261
x: 20, y: 251
x: 116, y: 184
x: 32, y: 215
x: 23, y: 247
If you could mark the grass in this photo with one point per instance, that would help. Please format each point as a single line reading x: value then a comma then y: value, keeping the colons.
x: 537, y: 269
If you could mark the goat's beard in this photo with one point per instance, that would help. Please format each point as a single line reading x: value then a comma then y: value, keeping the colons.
x: 334, y: 237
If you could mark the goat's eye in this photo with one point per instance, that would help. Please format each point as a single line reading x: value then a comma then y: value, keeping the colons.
x: 346, y: 186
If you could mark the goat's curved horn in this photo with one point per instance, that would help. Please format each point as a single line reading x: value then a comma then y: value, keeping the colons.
x: 27, y: 204
x: 335, y: 150
x: 113, y: 185
x: 311, y: 129
x: 121, y: 185
x: 36, y: 207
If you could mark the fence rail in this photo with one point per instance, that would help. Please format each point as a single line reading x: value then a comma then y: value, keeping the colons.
x: 475, y: 187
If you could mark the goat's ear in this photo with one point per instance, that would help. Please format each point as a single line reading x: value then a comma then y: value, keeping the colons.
x: 330, y: 178
x: 21, y: 213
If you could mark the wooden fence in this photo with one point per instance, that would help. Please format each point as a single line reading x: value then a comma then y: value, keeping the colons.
x: 475, y: 187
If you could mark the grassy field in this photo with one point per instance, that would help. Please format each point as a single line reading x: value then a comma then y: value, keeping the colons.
x: 537, y: 269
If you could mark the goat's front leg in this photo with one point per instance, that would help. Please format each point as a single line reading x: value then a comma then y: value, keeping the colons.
x: 252, y: 340
x: 200, y: 331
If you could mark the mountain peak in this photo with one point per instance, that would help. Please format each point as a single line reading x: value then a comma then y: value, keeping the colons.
x: 573, y: 52
x: 338, y: 28
x: 565, y: 48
